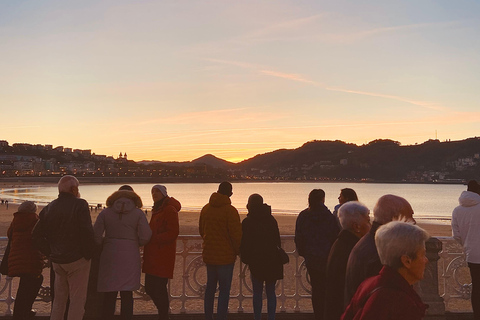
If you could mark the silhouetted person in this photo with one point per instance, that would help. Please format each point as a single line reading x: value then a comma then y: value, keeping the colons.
x: 221, y: 231
x: 65, y: 234
x: 315, y: 231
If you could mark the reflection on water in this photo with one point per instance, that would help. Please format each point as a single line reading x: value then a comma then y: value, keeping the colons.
x: 429, y: 201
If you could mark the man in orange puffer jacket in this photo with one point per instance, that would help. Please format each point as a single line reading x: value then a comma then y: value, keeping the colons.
x: 221, y: 232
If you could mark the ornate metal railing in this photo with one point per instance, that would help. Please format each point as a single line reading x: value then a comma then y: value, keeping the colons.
x: 293, y: 292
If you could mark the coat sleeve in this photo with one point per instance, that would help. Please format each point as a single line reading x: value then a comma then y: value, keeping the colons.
x: 234, y: 229
x: 99, y: 228
x: 456, y: 229
x: 245, y: 244
x: 143, y: 230
x: 86, y: 230
x: 200, y: 224
x: 299, y: 241
x: 39, y: 234
x: 171, y: 231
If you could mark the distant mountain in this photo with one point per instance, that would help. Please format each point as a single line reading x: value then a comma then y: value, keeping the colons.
x: 212, y: 161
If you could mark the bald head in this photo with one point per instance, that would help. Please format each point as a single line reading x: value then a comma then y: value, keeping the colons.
x: 390, y: 207
x: 69, y: 184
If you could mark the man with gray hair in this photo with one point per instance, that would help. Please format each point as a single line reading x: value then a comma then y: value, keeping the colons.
x: 65, y: 234
x: 355, y: 221
x: 364, y: 261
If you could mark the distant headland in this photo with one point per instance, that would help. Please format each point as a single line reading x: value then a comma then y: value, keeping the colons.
x: 319, y: 160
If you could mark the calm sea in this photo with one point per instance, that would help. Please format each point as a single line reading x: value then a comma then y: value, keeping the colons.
x: 429, y: 201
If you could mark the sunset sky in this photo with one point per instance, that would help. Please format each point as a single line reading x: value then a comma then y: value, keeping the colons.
x: 174, y: 80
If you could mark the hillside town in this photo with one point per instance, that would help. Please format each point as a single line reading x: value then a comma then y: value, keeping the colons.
x: 380, y: 160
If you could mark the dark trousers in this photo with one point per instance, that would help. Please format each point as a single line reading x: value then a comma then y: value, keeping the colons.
x: 156, y: 288
x: 26, y: 294
x: 110, y: 300
x: 318, y: 281
x: 475, y: 274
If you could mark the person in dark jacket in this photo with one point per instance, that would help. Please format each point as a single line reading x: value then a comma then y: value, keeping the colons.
x: 24, y: 260
x: 259, y: 250
x: 315, y: 231
x: 390, y: 295
x: 364, y: 261
x: 65, y: 234
x: 355, y: 222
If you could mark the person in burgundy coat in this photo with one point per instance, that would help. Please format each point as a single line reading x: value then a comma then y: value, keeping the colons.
x: 159, y: 253
x: 24, y: 260
x: 390, y: 295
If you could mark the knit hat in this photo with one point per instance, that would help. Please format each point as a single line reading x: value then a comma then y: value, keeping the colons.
x: 28, y: 207
x: 161, y: 188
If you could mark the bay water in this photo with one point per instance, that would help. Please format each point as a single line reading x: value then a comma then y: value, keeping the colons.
x: 429, y: 201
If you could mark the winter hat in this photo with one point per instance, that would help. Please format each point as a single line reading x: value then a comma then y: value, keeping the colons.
x: 473, y: 186
x: 126, y: 187
x: 28, y: 207
x: 161, y: 188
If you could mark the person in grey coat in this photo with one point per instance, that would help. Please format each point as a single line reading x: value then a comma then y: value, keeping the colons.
x: 121, y: 229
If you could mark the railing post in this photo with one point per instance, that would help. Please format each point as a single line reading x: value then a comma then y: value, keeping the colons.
x: 428, y: 287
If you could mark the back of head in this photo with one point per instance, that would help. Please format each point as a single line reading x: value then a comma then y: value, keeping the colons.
x: 66, y: 183
x: 390, y: 207
x: 225, y: 188
x: 126, y: 187
x: 316, y: 198
x: 473, y: 186
x: 349, y: 194
x: 397, y: 238
x: 352, y: 212
x: 27, y: 207
x: 254, y: 201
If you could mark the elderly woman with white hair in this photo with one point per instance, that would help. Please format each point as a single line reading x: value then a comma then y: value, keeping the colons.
x: 355, y: 221
x: 390, y: 295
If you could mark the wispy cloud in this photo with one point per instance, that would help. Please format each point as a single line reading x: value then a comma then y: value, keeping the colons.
x: 300, y: 78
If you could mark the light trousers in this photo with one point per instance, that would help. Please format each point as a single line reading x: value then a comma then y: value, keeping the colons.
x: 71, y: 280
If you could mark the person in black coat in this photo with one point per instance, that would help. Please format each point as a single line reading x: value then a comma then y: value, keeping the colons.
x: 259, y: 250
x: 355, y: 222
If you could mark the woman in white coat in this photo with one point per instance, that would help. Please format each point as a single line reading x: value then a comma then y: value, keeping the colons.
x: 121, y: 229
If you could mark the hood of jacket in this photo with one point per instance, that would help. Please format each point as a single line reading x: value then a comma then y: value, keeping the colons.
x: 469, y: 199
x: 219, y: 200
x: 170, y: 201
x: 124, y: 201
x: 261, y: 212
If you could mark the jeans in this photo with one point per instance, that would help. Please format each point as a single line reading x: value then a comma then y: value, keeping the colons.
x: 71, y: 280
x: 26, y: 294
x: 156, y: 288
x: 221, y: 274
x: 110, y: 300
x: 258, y: 298
x: 475, y: 274
x: 318, y: 282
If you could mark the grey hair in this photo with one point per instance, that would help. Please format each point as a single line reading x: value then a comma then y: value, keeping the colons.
x: 352, y: 212
x: 66, y: 183
x: 397, y: 238
x: 390, y: 207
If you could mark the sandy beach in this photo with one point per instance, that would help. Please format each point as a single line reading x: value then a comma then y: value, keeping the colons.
x: 189, y: 222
